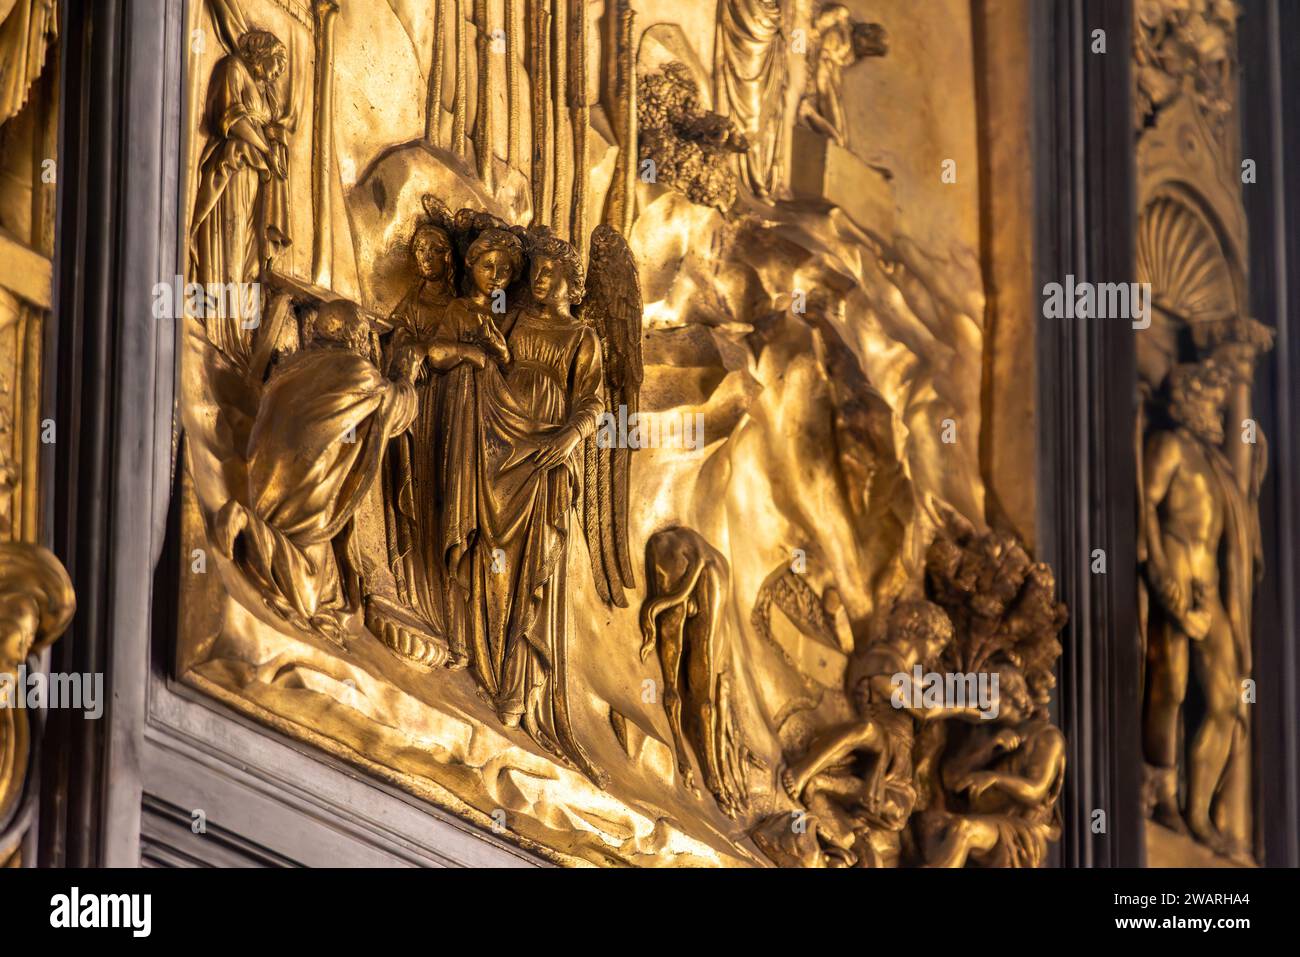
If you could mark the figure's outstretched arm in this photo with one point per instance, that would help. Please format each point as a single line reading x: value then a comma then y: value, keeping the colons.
x: 444, y: 355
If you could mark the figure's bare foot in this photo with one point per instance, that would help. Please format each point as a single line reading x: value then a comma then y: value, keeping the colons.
x: 1206, y: 833
x: 688, y: 779
x: 1169, y: 817
x: 725, y: 800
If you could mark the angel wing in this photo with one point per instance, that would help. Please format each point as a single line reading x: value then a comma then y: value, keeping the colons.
x: 613, y: 307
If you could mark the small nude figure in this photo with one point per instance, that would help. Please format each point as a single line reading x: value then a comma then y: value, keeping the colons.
x: 1010, y: 773
x: 840, y: 42
x: 682, y: 616
x: 859, y: 774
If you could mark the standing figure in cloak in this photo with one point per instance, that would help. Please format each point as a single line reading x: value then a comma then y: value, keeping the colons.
x: 749, y: 64
x: 538, y: 417
x: 409, y: 614
x: 240, y: 210
x: 316, y: 446
x: 469, y: 328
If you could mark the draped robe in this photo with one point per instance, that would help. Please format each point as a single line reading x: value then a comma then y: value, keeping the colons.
x: 506, y: 521
x: 240, y: 210
x: 749, y: 60
x: 314, y: 450
x: 414, y: 467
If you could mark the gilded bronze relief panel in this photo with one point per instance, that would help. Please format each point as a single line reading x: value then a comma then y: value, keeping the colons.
x: 581, y: 411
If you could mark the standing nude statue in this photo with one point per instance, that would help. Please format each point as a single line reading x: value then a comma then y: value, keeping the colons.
x: 1192, y: 509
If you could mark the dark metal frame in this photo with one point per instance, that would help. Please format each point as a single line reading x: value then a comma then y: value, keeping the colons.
x: 1085, y: 202
x: 80, y: 351
x: 109, y: 369
x: 1270, y: 134
x: 1085, y: 219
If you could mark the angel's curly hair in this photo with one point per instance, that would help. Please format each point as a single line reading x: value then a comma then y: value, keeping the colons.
x: 494, y: 239
x: 542, y: 242
x: 258, y: 45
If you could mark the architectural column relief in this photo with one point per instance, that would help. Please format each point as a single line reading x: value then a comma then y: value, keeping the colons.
x: 1201, y: 456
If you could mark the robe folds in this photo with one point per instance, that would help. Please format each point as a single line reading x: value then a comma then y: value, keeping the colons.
x: 414, y: 472
x: 751, y: 83
x: 315, y: 449
x: 506, y: 521
x: 241, y: 207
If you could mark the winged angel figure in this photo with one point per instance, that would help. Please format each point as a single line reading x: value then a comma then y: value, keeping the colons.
x: 519, y: 444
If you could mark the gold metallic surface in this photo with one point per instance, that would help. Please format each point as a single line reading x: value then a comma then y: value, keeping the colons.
x: 605, y: 456
x: 1005, y: 93
x: 1201, y: 457
x: 36, y: 604
x: 36, y: 597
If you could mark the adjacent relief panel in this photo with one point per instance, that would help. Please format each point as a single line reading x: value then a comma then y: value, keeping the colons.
x: 36, y: 598
x: 1201, y: 455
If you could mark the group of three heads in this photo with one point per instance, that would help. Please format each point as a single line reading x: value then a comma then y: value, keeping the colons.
x: 496, y: 257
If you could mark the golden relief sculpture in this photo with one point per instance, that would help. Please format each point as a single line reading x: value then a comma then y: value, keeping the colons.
x: 36, y: 606
x: 839, y: 42
x: 36, y: 596
x: 578, y: 477
x: 686, y: 144
x: 1184, y: 49
x: 751, y: 81
x: 1201, y: 456
x: 682, y: 620
x: 240, y: 210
